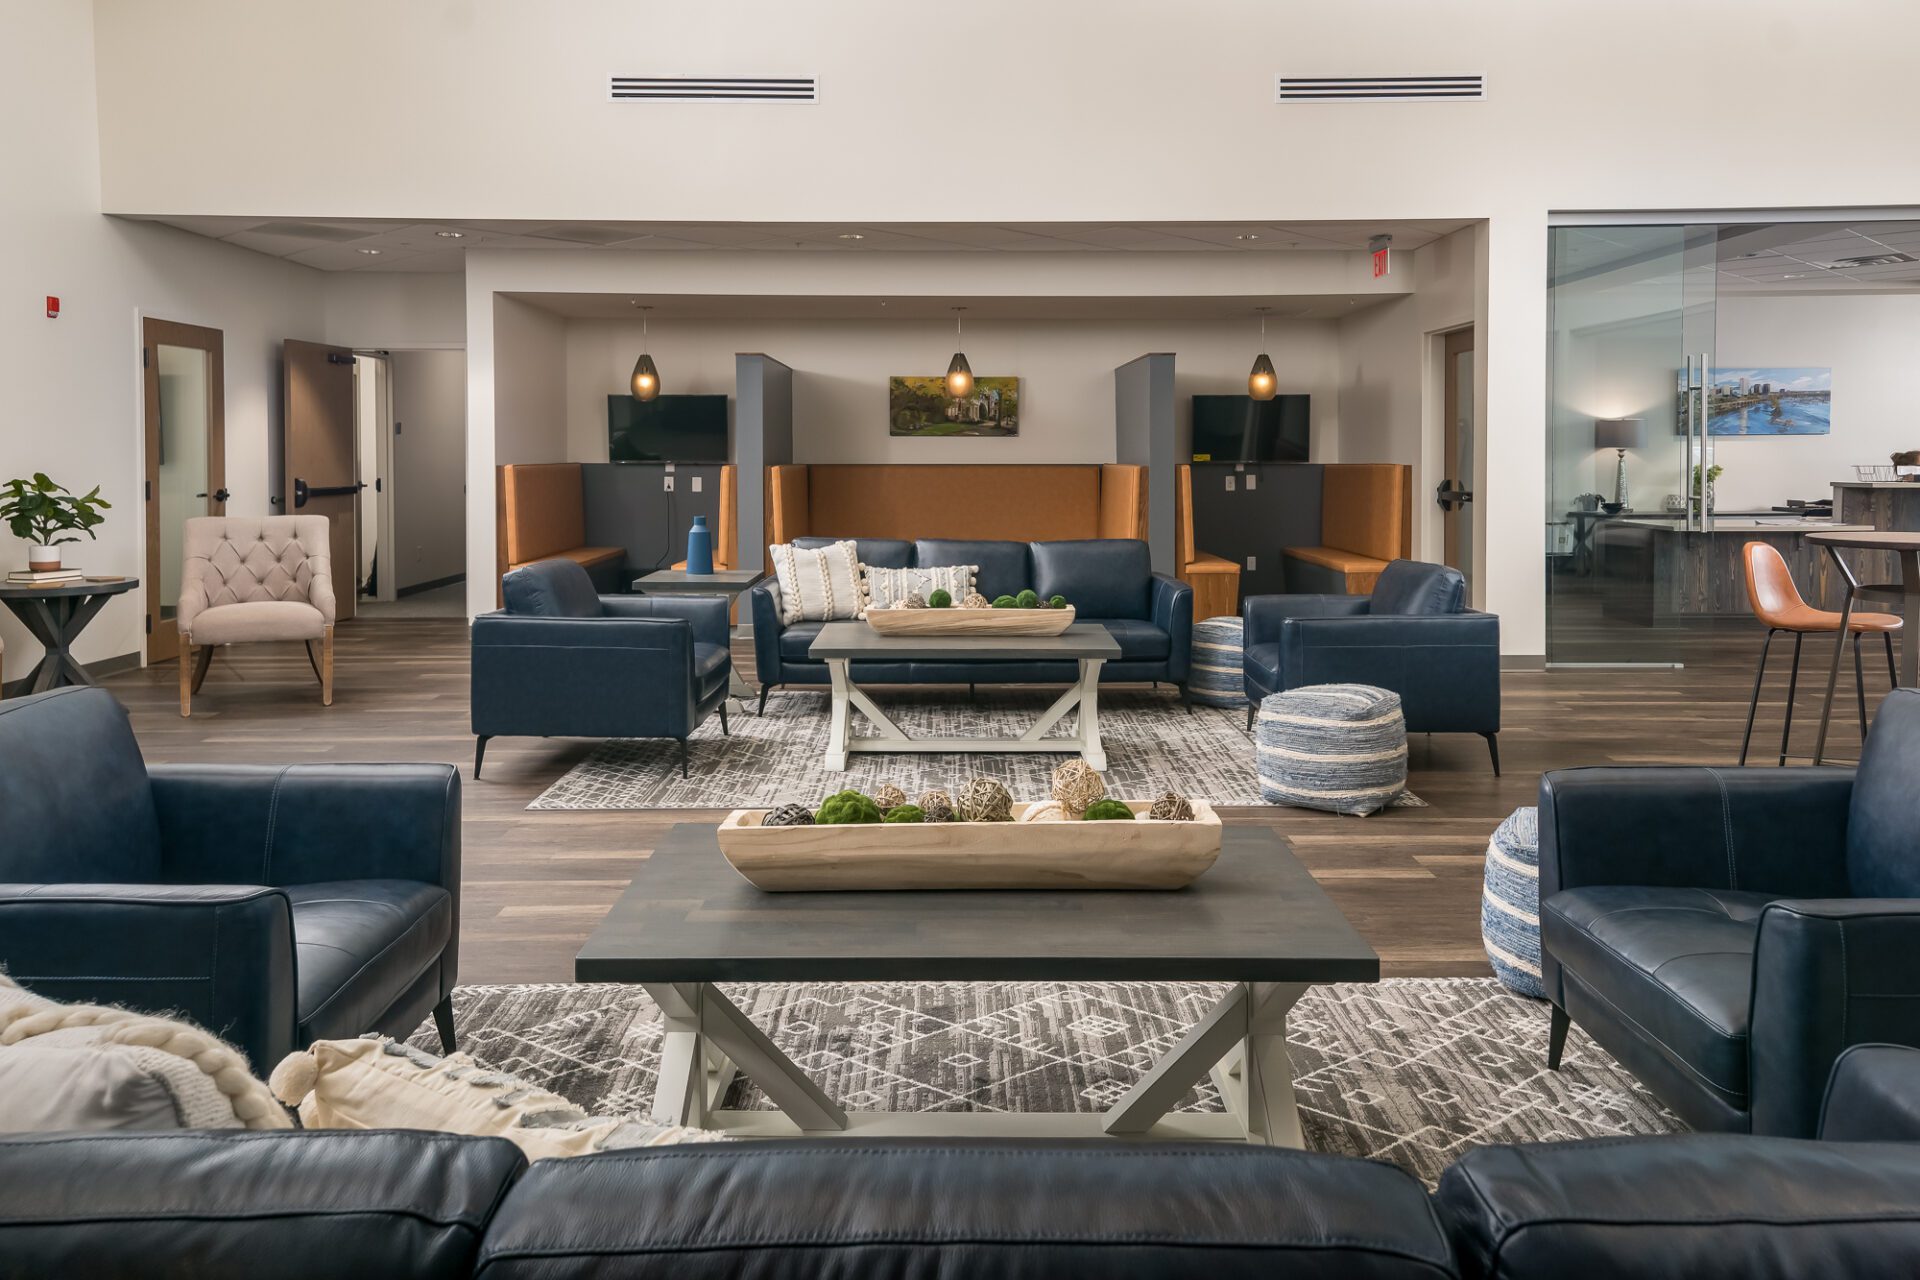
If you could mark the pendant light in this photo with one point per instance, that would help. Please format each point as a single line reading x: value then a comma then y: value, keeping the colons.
x: 646, y: 379
x: 1263, y: 383
x: 959, y: 373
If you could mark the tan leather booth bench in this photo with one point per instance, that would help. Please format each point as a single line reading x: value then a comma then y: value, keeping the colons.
x: 541, y: 510
x: 1366, y: 519
x: 1215, y: 579
x: 911, y: 500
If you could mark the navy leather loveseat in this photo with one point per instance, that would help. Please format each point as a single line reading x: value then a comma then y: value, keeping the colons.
x: 1413, y: 635
x: 561, y: 661
x: 1107, y: 580
x: 272, y: 905
x: 400, y: 1205
x: 1727, y: 933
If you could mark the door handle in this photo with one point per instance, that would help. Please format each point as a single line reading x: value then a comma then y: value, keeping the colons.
x: 218, y: 495
x: 302, y: 491
x: 1448, y: 494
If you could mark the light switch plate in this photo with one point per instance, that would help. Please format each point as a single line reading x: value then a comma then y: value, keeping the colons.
x: 1253, y: 563
x: 1253, y: 482
x: 696, y: 484
x: 667, y: 484
x: 1229, y: 484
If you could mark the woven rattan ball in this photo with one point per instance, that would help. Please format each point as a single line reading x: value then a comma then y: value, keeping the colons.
x: 1171, y: 807
x: 937, y: 805
x: 914, y: 600
x: 789, y: 815
x: 983, y: 800
x: 886, y: 796
x: 1076, y: 785
x: 1045, y: 811
x: 975, y: 600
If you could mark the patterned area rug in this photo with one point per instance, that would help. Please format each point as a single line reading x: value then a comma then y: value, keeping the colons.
x: 1153, y: 745
x: 1413, y: 1071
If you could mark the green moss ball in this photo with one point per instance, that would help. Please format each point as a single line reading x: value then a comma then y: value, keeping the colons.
x: 1003, y: 602
x: 1108, y: 811
x: 940, y: 600
x: 1028, y: 599
x: 845, y: 807
x: 905, y: 813
x: 1057, y: 602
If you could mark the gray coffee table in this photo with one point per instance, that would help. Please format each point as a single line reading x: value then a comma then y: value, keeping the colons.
x: 840, y: 644
x: 1257, y: 920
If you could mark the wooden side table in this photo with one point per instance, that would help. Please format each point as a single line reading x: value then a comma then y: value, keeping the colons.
x: 56, y: 616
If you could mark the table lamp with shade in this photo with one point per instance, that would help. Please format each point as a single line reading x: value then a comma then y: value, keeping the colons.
x: 1621, y: 434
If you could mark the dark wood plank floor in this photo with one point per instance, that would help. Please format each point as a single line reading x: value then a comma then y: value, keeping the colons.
x: 537, y: 883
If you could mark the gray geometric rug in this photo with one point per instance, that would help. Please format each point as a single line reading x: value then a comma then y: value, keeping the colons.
x: 1152, y: 743
x: 1413, y: 1071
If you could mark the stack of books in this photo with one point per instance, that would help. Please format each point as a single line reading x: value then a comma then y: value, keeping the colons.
x: 44, y: 577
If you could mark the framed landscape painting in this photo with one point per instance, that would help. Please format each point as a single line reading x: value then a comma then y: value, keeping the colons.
x: 1771, y: 400
x: 922, y: 407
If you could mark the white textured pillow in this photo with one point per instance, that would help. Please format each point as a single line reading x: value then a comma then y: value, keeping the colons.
x: 887, y: 588
x: 818, y: 584
x: 377, y: 1083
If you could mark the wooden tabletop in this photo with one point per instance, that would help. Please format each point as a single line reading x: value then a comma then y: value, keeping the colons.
x: 1257, y: 916
x: 27, y: 590
x: 1879, y: 540
x: 859, y: 640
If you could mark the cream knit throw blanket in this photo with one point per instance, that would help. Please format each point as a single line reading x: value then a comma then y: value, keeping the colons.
x: 241, y: 1097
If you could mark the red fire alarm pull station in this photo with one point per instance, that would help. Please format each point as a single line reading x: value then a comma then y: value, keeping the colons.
x: 1381, y: 247
x: 53, y: 307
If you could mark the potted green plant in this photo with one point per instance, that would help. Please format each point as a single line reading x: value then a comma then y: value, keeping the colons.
x: 1713, y: 473
x: 48, y: 515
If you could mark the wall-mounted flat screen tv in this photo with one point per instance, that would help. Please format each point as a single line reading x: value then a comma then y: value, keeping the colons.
x: 1242, y: 429
x: 667, y: 429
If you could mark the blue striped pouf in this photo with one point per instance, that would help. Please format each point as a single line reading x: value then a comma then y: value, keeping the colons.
x: 1510, y: 903
x: 1338, y: 747
x: 1218, y: 676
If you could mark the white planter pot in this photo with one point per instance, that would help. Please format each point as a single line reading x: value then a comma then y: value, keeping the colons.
x: 41, y: 559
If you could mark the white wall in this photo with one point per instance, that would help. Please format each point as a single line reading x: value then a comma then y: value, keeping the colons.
x: 841, y: 367
x: 417, y: 310
x: 429, y: 466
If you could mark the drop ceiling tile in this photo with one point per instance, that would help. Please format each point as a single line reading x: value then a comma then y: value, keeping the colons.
x: 339, y: 257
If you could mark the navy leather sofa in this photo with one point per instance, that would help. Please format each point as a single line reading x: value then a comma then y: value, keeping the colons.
x: 272, y: 905
x: 1107, y: 580
x: 1727, y: 933
x: 399, y: 1205
x: 1413, y: 635
x: 561, y: 661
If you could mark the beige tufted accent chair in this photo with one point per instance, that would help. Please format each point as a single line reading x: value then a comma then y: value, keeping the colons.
x: 255, y: 579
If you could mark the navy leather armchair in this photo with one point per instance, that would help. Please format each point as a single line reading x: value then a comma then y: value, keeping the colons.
x: 273, y: 906
x: 1728, y: 933
x: 1109, y: 580
x: 562, y: 661
x: 1413, y: 635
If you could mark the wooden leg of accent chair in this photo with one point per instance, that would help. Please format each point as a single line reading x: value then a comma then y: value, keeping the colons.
x: 326, y: 668
x: 683, y: 757
x: 724, y: 731
x: 443, y: 1023
x: 1493, y: 750
x: 1754, y: 705
x: 1557, y: 1037
x: 200, y: 667
x: 479, y: 753
x: 186, y: 676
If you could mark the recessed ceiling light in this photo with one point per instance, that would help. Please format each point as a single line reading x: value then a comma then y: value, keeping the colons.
x: 369, y: 251
x: 1249, y: 236
x: 451, y: 235
x: 851, y: 235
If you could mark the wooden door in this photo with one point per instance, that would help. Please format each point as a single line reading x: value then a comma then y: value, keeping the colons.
x: 183, y: 370
x: 322, y: 476
x: 1455, y: 494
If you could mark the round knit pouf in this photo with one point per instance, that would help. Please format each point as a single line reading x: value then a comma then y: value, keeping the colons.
x: 1217, y: 676
x: 1338, y: 747
x: 1510, y: 903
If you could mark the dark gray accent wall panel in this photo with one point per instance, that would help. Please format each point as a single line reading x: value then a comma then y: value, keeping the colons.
x: 762, y: 438
x: 628, y: 506
x: 1145, y: 435
x: 1281, y: 510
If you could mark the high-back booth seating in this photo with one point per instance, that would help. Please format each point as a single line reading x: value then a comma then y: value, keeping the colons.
x: 422, y: 1206
x: 1107, y: 580
x: 561, y: 660
x: 1727, y: 933
x: 274, y: 905
x: 1414, y: 634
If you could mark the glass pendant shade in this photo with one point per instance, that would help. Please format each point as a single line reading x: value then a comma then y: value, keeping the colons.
x: 646, y: 378
x: 1262, y: 383
x: 959, y: 376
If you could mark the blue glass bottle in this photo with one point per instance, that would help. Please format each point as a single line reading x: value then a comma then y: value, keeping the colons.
x: 699, y: 547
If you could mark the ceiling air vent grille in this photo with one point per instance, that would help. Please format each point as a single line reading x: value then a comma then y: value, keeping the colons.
x: 713, y: 89
x: 1377, y: 88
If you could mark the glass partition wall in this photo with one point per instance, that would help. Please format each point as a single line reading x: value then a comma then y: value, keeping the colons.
x: 1631, y: 313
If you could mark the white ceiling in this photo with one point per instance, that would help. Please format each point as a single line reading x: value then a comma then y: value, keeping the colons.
x: 1761, y: 258
x: 670, y: 307
x: 346, y: 244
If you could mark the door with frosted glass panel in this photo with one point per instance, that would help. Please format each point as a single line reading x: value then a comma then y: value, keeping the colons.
x: 186, y: 459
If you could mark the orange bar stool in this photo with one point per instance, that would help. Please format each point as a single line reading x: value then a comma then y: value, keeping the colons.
x: 1776, y: 601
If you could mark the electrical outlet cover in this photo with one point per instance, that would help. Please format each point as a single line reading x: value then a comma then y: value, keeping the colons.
x: 1253, y: 563
x: 667, y: 485
x: 696, y: 484
x: 1229, y: 484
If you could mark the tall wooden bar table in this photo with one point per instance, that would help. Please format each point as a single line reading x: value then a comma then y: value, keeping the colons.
x: 1907, y: 547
